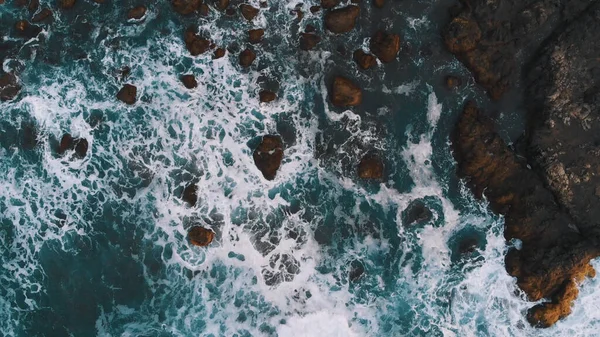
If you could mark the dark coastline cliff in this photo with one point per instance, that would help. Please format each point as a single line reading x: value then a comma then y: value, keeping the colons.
x: 549, y: 192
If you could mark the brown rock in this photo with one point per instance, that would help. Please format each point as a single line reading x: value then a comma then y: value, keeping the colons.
x: 315, y: 9
x: 128, y: 94
x: 385, y: 46
x: 247, y: 57
x: 190, y: 194
x: 189, y: 81
x: 452, y: 82
x: 268, y: 156
x: 379, y: 3
x: 9, y: 87
x: 204, y: 10
x: 310, y: 29
x: 222, y: 4
x: 344, y: 93
x: 342, y: 20
x: 33, y: 6
x: 328, y: 4
x: 186, y: 7
x: 200, y: 236
x: 219, y: 52
x: 137, y: 13
x: 255, y: 35
x: 364, y: 60
x: 26, y: 30
x: 267, y: 96
x: 68, y: 143
x: 462, y: 34
x: 248, y: 11
x: 66, y: 4
x: 194, y: 43
x: 309, y: 40
x: 370, y: 167
x: 42, y: 15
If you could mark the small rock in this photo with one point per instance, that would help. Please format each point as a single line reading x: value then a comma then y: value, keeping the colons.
x: 328, y: 4
x: 190, y: 194
x: 124, y: 72
x: 385, y: 46
x: 370, y: 167
x: 345, y: 93
x: 222, y: 4
x: 356, y: 270
x: 267, y: 96
x: 67, y: 143
x: 9, y: 88
x: 309, y: 40
x: 248, y: 11
x: 417, y: 212
x: 255, y: 35
x: 128, y: 94
x: 452, y: 82
x: 268, y: 156
x: 315, y: 9
x: 342, y: 20
x: 137, y: 13
x: 195, y: 44
x: 247, y: 57
x: 186, y: 7
x: 200, y: 236
x: 365, y: 61
x: 379, y: 3
x: 33, y: 6
x: 219, y: 52
x: 189, y: 81
x: 28, y: 136
x: 42, y: 15
x: 66, y: 4
x: 230, y: 12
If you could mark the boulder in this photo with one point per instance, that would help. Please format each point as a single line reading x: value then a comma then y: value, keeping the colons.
x: 189, y: 81
x: 222, y: 4
x: 219, y: 52
x: 247, y: 57
x: 344, y: 93
x: 268, y: 156
x: 342, y: 20
x: 357, y: 269
x: 190, y: 194
x: 363, y: 60
x: 26, y: 30
x: 9, y: 87
x: 416, y: 212
x: 200, y: 236
x: 128, y: 94
x: 452, y: 82
x: 33, y: 6
x: 66, y: 4
x: 267, y: 96
x: 195, y: 44
x: 315, y: 9
x: 255, y: 35
x: 328, y: 4
x: 186, y: 7
x: 385, y: 46
x: 204, y: 9
x: 42, y: 15
x: 137, y: 13
x: 248, y: 11
x: 68, y: 143
x: 370, y: 167
x: 309, y: 40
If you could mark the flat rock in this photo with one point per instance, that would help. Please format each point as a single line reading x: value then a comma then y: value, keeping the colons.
x: 328, y: 4
x: 44, y: 14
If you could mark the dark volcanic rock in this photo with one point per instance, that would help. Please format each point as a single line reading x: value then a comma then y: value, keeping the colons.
x: 137, y: 13
x: 9, y: 87
x: 554, y: 253
x: 370, y: 167
x: 42, y: 15
x: 186, y: 7
x: 247, y: 57
x: 379, y: 3
x: 33, y: 6
x: 195, y: 44
x: 328, y: 4
x: 248, y: 11
x: 222, y: 4
x: 315, y: 9
x: 344, y: 93
x: 416, y: 212
x: 26, y: 30
x: 268, y: 156
x: 66, y: 4
x: 385, y: 46
x: 267, y: 96
x: 190, y: 194
x: 309, y: 40
x: 356, y: 270
x: 365, y: 61
x: 68, y: 143
x: 128, y: 94
x: 452, y: 82
x: 219, y: 52
x: 342, y: 20
x: 189, y: 81
x: 255, y: 35
x: 200, y: 236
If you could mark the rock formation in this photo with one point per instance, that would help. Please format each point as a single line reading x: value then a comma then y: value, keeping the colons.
x: 370, y: 167
x: 385, y: 46
x: 200, y: 236
x: 268, y: 156
x: 189, y: 81
x: 267, y: 96
x: 365, y: 61
x: 247, y: 57
x: 344, y: 93
x: 342, y: 20
x: 128, y: 94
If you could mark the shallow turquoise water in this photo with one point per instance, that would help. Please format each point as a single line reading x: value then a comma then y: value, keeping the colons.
x: 97, y: 246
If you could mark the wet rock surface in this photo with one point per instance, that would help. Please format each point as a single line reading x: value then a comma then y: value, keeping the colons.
x: 266, y: 96
x: 195, y: 44
x: 186, y: 7
x: 128, y: 94
x: 309, y: 41
x: 344, y: 93
x: 268, y: 156
x: 342, y: 20
x: 137, y: 13
x: 68, y: 143
x: 200, y: 236
x: 9, y: 87
x: 385, y: 46
x: 189, y: 81
x: 247, y: 57
x: 416, y: 212
x: 370, y: 167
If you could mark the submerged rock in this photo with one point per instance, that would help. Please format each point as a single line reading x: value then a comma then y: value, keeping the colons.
x: 42, y: 15
x: 328, y: 4
x: 247, y: 57
x: 66, y: 4
x: 27, y: 30
x: 370, y: 167
x: 268, y: 156
x: 219, y: 52
x: 309, y: 40
x: 128, y: 94
x: 356, y: 270
x: 186, y: 7
x: 452, y: 82
x: 267, y: 96
x: 255, y: 35
x: 137, y: 13
x: 222, y: 4
x: 195, y: 44
x: 342, y: 20
x: 248, y: 11
x: 417, y: 212
x: 200, y: 236
x: 363, y: 60
x: 68, y: 143
x: 9, y: 87
x: 189, y: 81
x: 385, y: 46
x: 379, y: 3
x: 344, y: 93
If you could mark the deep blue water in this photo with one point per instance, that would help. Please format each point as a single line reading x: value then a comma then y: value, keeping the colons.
x: 97, y: 246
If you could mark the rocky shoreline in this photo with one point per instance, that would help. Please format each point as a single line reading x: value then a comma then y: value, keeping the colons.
x: 549, y: 188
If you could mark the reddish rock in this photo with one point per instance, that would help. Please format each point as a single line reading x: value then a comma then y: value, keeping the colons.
x: 137, y: 13
x: 342, y: 20
x: 248, y: 11
x: 26, y: 30
x: 370, y: 167
x: 190, y: 194
x: 9, y: 87
x: 385, y: 46
x: 364, y: 60
x: 66, y: 4
x: 42, y: 15
x: 33, y: 6
x: 186, y: 7
x: 268, y: 156
x: 344, y: 93
x: 195, y: 44
x: 247, y: 57
x: 462, y: 34
x: 255, y: 35
x: 200, y: 236
x: 267, y: 96
x: 219, y: 52
x: 189, y: 81
x: 128, y: 94
x: 309, y: 40
x: 328, y: 4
